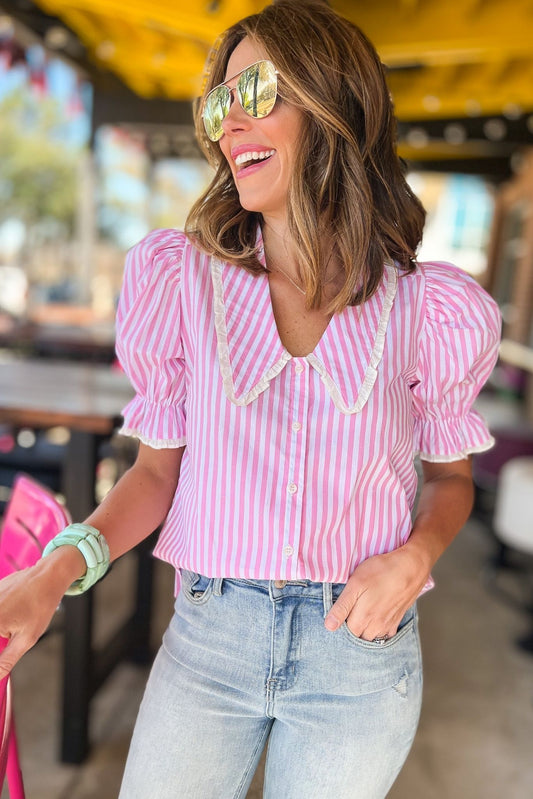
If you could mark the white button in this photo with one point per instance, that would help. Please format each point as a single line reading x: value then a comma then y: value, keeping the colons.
x: 288, y: 551
x: 298, y: 368
x: 292, y: 488
x: 296, y: 426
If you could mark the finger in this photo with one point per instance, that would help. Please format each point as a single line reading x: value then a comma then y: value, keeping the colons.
x: 376, y: 628
x: 12, y: 653
x: 340, y: 610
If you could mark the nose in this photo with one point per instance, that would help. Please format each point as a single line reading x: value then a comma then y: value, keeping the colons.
x: 237, y: 119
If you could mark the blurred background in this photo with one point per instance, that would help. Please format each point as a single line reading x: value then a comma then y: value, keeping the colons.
x: 96, y: 149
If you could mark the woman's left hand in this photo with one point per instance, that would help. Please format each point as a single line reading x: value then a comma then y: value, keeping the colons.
x: 378, y: 593
x: 380, y: 590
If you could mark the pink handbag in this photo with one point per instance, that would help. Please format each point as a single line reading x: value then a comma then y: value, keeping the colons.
x: 32, y: 518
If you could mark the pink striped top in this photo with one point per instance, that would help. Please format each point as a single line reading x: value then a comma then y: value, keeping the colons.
x: 296, y: 467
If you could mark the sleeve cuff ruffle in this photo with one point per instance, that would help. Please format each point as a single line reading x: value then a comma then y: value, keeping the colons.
x: 158, y: 425
x: 451, y: 438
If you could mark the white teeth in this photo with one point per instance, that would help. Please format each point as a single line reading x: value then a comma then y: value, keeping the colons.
x: 243, y: 158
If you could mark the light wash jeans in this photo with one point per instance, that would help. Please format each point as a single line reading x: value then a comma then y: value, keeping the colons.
x: 243, y: 662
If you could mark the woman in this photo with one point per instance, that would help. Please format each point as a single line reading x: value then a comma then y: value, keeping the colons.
x: 289, y: 356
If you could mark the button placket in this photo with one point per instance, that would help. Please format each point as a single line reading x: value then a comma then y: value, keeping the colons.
x: 296, y: 442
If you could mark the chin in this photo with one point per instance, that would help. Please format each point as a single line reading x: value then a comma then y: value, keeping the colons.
x: 250, y: 205
x: 258, y: 206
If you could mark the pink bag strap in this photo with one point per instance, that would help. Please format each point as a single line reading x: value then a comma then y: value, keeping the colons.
x: 5, y: 725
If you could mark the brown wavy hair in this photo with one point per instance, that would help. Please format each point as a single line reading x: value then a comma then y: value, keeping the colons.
x: 348, y: 181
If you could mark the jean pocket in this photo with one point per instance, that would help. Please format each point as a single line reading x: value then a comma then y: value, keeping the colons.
x: 196, y: 588
x: 406, y: 625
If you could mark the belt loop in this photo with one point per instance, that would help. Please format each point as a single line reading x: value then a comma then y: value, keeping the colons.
x: 327, y: 595
x: 217, y: 586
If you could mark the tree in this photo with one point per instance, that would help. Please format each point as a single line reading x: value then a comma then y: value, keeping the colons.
x: 37, y: 166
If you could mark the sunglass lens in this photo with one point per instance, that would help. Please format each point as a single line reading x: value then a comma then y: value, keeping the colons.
x: 216, y: 107
x: 257, y: 89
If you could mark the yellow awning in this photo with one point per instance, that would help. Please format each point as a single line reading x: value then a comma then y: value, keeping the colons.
x: 447, y: 60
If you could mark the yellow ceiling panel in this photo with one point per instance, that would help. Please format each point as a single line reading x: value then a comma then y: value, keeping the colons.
x: 442, y: 151
x: 439, y: 31
x: 141, y: 40
x: 446, y: 59
x: 464, y: 90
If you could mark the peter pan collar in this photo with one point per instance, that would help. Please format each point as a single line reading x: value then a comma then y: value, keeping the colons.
x: 251, y: 353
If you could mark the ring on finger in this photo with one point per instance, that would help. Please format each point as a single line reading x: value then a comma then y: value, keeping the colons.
x: 380, y: 639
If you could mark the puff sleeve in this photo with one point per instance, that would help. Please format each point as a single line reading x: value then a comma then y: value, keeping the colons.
x: 149, y: 343
x: 458, y: 350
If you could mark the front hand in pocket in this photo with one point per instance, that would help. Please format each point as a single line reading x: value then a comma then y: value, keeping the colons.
x: 377, y: 595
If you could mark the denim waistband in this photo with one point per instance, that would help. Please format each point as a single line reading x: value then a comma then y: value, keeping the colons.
x: 276, y: 589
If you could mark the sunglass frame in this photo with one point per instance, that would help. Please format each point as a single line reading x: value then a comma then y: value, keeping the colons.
x: 217, y: 133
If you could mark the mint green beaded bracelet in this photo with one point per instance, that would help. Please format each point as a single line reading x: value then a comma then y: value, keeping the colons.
x: 92, y: 545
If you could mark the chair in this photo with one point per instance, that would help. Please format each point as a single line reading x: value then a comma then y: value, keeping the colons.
x: 513, y: 528
x: 513, y: 514
x: 510, y: 442
x: 33, y: 516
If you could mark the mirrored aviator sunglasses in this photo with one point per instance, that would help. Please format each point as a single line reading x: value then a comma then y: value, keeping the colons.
x: 256, y: 89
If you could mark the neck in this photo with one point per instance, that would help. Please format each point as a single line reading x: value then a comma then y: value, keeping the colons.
x: 282, y: 254
x: 279, y: 246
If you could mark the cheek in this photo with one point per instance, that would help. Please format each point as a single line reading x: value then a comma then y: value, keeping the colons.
x: 288, y: 133
x: 227, y: 158
x: 223, y: 151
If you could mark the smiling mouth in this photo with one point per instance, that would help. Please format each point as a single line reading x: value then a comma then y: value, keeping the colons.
x: 247, y: 159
